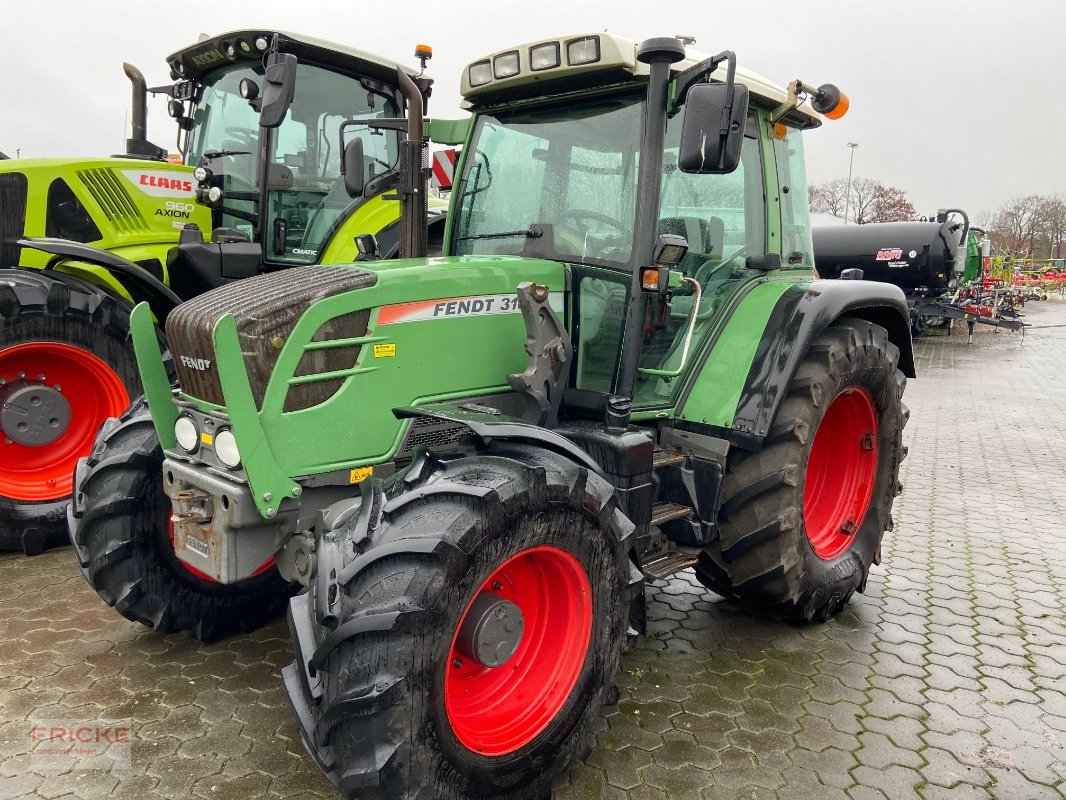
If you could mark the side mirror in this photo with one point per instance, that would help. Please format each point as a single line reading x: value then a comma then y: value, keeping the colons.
x: 713, y: 129
x: 280, y: 88
x: 352, y: 168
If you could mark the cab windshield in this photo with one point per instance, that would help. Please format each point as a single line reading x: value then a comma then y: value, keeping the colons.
x: 307, y: 196
x: 560, y: 180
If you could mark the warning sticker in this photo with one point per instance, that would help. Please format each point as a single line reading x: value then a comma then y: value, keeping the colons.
x: 360, y: 474
x: 453, y: 307
x: 387, y: 350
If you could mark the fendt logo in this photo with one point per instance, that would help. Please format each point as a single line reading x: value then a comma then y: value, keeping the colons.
x: 161, y: 183
x: 199, y: 364
x: 889, y: 254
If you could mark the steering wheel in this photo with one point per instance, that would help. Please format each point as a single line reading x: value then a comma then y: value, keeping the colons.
x: 591, y: 216
x: 246, y: 136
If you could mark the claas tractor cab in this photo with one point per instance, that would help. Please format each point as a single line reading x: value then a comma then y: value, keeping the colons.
x: 622, y: 367
x: 81, y: 240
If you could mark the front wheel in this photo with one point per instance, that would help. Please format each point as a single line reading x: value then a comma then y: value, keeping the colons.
x: 802, y: 519
x: 463, y: 634
x: 120, y: 529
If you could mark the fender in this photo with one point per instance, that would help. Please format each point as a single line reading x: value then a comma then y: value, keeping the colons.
x: 489, y: 424
x: 142, y: 285
x: 802, y: 312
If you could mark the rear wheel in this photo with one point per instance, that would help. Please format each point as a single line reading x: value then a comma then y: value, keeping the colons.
x: 802, y: 519
x: 66, y: 365
x: 120, y: 528
x: 462, y: 635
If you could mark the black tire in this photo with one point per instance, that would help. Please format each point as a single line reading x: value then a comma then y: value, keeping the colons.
x: 118, y: 526
x: 763, y: 557
x: 379, y: 728
x: 49, y: 306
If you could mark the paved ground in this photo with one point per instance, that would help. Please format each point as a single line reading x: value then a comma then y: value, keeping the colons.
x: 946, y: 680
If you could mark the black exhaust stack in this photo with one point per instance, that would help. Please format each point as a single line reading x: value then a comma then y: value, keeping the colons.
x: 413, y: 186
x: 138, y: 146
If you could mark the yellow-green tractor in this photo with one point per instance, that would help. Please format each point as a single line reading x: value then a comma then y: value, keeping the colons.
x: 82, y: 240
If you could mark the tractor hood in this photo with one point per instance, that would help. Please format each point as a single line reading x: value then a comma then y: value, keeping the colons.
x: 307, y: 364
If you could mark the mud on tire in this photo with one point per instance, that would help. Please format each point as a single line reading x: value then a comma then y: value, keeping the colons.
x: 119, y: 528
x: 764, y: 557
x: 394, y: 576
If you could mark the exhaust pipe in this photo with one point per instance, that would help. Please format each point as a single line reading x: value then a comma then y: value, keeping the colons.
x: 413, y: 184
x: 139, y: 129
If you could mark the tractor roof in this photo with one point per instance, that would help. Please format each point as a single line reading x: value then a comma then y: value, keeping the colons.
x: 214, y: 51
x: 510, y: 73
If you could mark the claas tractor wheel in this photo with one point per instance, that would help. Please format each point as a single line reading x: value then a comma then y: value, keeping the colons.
x: 464, y: 628
x: 121, y: 531
x: 802, y: 519
x: 66, y: 365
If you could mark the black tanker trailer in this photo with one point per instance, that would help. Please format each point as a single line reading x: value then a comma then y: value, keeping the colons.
x: 921, y: 258
x: 925, y: 259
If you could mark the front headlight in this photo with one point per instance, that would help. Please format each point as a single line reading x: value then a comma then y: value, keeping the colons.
x: 226, y: 449
x: 187, y: 434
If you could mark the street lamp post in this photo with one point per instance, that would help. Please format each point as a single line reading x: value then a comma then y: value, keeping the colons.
x: 847, y: 194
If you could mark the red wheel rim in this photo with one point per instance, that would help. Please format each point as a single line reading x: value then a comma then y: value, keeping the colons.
x: 496, y: 711
x: 200, y: 573
x: 841, y: 470
x: 38, y: 473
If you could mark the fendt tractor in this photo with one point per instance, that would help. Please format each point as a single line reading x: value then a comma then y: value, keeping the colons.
x: 93, y: 235
x: 622, y: 367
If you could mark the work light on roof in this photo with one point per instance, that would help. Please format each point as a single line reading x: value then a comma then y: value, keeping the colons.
x: 544, y: 56
x: 505, y: 65
x: 480, y: 73
x: 261, y: 43
x: 244, y: 46
x: 585, y: 50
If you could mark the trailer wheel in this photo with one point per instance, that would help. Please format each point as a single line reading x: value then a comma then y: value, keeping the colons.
x: 66, y: 365
x: 802, y: 519
x: 462, y: 635
x: 121, y: 532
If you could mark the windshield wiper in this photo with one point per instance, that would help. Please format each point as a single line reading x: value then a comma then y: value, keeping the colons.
x: 529, y: 233
x: 221, y: 153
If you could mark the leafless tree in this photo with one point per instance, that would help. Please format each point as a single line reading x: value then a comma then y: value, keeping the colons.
x: 1052, y: 224
x: 1016, y: 226
x: 829, y: 197
x: 864, y: 193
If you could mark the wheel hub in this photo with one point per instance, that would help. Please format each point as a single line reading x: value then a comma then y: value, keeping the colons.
x: 492, y: 630
x: 33, y: 414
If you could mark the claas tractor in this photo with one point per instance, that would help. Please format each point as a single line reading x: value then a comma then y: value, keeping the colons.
x: 469, y: 466
x: 81, y: 240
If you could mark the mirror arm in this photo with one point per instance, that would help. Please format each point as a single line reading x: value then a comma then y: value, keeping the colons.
x: 701, y: 71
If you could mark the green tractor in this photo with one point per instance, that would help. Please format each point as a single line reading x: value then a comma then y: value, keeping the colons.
x: 622, y: 367
x: 84, y: 239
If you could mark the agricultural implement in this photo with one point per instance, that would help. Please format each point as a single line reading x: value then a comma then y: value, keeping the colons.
x: 622, y: 367
x: 937, y: 264
x: 90, y: 237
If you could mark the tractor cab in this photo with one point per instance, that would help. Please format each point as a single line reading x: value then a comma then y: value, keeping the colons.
x: 566, y: 121
x: 268, y: 117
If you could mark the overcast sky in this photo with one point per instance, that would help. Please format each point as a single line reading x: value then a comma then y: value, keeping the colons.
x: 960, y: 103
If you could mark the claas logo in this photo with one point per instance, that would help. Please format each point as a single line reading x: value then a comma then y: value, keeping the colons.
x: 165, y: 183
